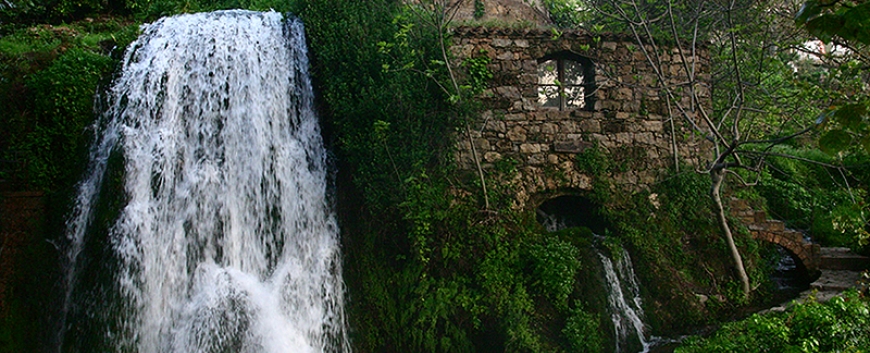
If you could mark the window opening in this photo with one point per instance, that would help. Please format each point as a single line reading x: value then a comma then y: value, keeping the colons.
x: 566, y: 81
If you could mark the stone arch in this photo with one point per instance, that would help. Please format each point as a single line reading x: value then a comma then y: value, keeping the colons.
x: 774, y: 231
x: 571, y: 210
x: 806, y: 255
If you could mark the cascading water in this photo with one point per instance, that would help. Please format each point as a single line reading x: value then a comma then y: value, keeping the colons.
x: 623, y: 291
x: 225, y: 240
x: 624, y: 300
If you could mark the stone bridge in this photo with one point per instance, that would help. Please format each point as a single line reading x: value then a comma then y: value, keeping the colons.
x: 773, y: 231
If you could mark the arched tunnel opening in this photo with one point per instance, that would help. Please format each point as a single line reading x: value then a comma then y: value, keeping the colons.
x: 571, y: 211
x: 789, y: 275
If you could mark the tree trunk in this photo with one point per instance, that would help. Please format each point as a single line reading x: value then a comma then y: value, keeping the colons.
x: 717, y: 176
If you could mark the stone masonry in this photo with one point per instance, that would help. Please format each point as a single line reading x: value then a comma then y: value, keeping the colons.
x: 774, y: 231
x: 627, y: 116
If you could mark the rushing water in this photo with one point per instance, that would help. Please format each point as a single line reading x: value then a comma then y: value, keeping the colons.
x: 623, y: 292
x: 623, y: 299
x: 225, y: 241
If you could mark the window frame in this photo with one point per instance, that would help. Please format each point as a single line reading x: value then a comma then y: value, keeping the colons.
x: 587, y: 85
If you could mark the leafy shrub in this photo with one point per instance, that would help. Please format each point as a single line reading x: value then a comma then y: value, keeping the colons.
x: 839, y: 325
x: 566, y: 13
x: 593, y: 161
x: 61, y: 101
x: 583, y: 332
x: 555, y: 264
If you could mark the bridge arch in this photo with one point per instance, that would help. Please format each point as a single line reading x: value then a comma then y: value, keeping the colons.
x: 774, y: 231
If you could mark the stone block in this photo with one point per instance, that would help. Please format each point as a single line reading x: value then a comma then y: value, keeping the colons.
x: 652, y: 125
x: 567, y: 126
x: 510, y: 92
x: 511, y: 66
x: 591, y: 126
x: 517, y: 106
x: 571, y: 145
x: 500, y: 42
x: 462, y: 51
x: 760, y: 216
x: 582, y: 114
x: 623, y: 138
x: 553, y: 159
x: 608, y: 104
x: 516, y: 117
x: 549, y: 128
x: 482, y: 144
x: 529, y: 105
x: 536, y: 159
x: 496, y: 126
x: 531, y: 67
x: 506, y: 56
x: 492, y: 156
x: 612, y: 127
x: 644, y: 138
x: 631, y: 105
x: 528, y: 79
x: 517, y: 134
x: 774, y: 225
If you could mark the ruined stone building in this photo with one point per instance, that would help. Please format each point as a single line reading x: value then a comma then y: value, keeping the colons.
x: 554, y: 94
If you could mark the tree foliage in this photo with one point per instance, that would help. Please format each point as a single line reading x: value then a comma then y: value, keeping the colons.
x: 846, y: 25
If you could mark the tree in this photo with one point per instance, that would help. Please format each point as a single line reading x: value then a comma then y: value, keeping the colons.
x: 754, y: 108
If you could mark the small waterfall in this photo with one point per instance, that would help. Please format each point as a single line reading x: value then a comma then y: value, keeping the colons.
x: 623, y: 292
x: 225, y: 240
x: 623, y: 299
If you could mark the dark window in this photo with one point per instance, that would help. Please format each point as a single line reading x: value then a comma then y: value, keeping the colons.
x: 566, y: 81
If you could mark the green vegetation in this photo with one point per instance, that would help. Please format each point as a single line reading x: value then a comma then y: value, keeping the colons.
x: 811, y: 194
x: 51, y: 74
x: 433, y: 262
x: 839, y: 325
x: 431, y: 268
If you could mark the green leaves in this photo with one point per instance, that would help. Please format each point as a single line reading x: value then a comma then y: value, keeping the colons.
x: 840, y: 325
x: 834, y: 141
x: 846, y: 126
x: 478, y: 73
x: 825, y: 19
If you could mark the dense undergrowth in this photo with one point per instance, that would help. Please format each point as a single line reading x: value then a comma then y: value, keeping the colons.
x: 429, y: 268
x: 839, y: 325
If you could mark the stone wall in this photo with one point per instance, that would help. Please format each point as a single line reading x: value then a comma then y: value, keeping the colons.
x: 627, y: 117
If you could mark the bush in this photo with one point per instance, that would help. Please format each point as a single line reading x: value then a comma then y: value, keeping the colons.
x: 555, y: 264
x: 839, y: 325
x: 583, y: 332
x: 62, y: 107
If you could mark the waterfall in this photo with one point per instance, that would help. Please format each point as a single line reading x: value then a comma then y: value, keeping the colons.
x: 624, y: 302
x: 225, y: 240
x: 623, y: 292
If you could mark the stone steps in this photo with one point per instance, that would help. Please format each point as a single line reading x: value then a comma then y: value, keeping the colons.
x: 842, y: 259
x: 836, y: 280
